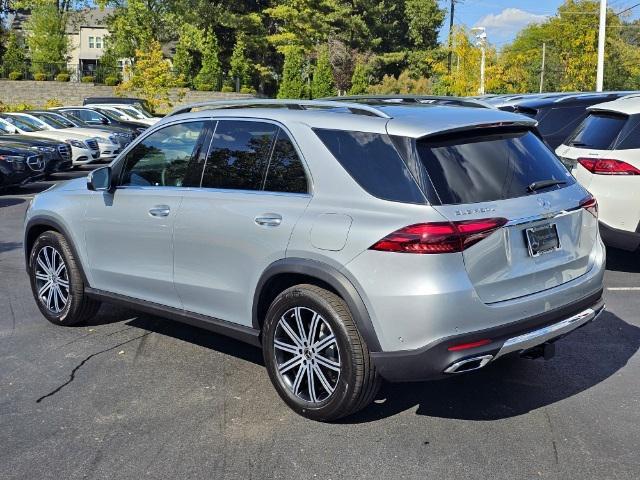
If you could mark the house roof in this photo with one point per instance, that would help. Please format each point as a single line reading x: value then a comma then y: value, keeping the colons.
x: 89, y: 17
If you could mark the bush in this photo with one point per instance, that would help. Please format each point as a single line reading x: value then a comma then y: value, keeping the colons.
x: 63, y: 77
x: 181, y: 83
x: 111, y: 81
x: 246, y: 89
x: 15, y: 76
x: 227, y: 89
x: 40, y: 77
x: 52, y: 103
x: 88, y: 79
x: 204, y: 87
x: 20, y: 107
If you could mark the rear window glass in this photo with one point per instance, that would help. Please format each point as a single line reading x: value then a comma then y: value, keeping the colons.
x: 598, y: 131
x: 489, y: 167
x: 630, y: 137
x: 373, y: 162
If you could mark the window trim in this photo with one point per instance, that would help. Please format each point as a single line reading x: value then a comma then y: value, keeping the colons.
x: 305, y: 167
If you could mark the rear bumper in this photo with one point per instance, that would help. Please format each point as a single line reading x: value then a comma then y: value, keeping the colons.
x: 622, y: 239
x: 433, y: 360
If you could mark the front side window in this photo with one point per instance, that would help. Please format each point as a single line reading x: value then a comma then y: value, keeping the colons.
x: 163, y: 158
x: 239, y: 155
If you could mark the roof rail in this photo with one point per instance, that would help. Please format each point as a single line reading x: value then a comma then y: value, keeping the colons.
x: 357, y: 109
x: 413, y: 99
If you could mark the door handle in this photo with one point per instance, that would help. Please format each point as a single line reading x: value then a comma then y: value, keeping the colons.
x: 160, y: 211
x: 269, y: 220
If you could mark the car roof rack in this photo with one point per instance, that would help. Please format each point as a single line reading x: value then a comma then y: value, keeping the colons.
x: 354, y: 108
x: 413, y: 99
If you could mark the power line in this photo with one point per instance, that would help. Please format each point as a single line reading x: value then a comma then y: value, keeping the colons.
x: 627, y: 9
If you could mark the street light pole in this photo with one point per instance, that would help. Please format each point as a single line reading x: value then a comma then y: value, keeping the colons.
x: 601, y: 42
x: 481, y: 41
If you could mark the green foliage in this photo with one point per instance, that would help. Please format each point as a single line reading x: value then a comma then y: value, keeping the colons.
x: 47, y: 41
x: 189, y: 49
x: 401, y: 84
x: 240, y: 66
x: 360, y: 79
x: 19, y: 107
x: 111, y: 81
x: 227, y: 89
x: 40, y: 77
x: 210, y: 71
x: 425, y: 18
x: 247, y: 90
x: 15, y: 75
x: 62, y: 77
x: 204, y: 87
x: 292, y: 84
x: 88, y: 79
x: 151, y: 77
x: 14, y: 58
x: 322, y: 84
x: 52, y: 103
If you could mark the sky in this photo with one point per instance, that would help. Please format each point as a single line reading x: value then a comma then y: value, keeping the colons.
x: 503, y: 19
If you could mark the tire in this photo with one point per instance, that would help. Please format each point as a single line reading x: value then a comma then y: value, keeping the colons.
x: 52, y: 248
x: 290, y: 362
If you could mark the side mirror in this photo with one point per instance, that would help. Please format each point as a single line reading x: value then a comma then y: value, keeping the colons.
x: 99, y: 180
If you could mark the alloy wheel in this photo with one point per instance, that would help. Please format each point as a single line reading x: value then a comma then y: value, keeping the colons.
x: 306, y: 354
x: 52, y: 279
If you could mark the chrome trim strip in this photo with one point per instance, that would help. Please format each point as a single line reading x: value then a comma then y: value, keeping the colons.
x: 484, y: 359
x: 542, y: 335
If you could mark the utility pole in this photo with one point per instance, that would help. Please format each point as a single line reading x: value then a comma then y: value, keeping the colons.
x: 601, y: 42
x: 544, y: 55
x: 481, y: 41
x: 453, y: 4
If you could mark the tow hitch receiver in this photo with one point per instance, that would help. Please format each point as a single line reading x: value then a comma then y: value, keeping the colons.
x: 546, y: 350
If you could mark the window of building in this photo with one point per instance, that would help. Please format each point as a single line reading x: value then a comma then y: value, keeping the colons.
x: 98, y: 42
x: 92, y: 43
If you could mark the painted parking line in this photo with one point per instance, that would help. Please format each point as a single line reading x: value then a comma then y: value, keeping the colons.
x: 623, y: 289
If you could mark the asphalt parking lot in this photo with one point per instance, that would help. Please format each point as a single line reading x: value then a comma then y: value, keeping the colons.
x: 136, y: 396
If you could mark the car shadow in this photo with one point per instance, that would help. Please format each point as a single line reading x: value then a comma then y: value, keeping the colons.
x: 623, y: 261
x: 10, y: 202
x: 514, y: 386
x: 9, y: 246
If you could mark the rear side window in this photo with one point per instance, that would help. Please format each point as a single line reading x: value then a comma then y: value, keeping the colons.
x: 285, y: 172
x: 239, y: 155
x: 630, y: 137
x: 373, y: 162
x: 488, y: 167
x: 598, y: 131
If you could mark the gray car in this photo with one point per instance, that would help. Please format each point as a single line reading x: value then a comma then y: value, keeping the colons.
x: 352, y: 242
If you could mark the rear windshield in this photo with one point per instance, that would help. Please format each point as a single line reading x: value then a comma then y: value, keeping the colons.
x: 489, y: 167
x: 598, y: 131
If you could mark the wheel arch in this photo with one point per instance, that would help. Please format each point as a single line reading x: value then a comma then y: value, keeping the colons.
x: 287, y: 272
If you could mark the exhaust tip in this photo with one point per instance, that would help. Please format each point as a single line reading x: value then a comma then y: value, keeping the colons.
x: 469, y: 364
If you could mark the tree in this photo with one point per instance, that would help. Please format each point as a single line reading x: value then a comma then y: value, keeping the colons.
x: 322, y: 84
x: 240, y: 66
x: 360, y: 79
x: 14, y: 58
x: 292, y: 85
x: 187, y: 60
x: 151, y: 77
x: 425, y: 18
x: 210, y: 72
x: 47, y: 40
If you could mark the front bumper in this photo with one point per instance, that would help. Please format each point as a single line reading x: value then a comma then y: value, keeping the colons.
x: 436, y: 360
x: 109, y: 151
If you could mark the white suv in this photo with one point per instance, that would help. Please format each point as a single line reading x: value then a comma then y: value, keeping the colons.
x: 604, y: 156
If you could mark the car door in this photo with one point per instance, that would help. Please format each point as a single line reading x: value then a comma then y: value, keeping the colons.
x: 129, y: 230
x: 254, y: 189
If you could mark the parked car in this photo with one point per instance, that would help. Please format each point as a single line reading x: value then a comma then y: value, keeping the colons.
x: 351, y: 242
x: 83, y: 149
x: 19, y: 165
x: 138, y: 102
x: 559, y: 115
x: 108, y: 143
x: 604, y: 155
x: 129, y: 113
x: 412, y: 100
x: 123, y: 136
x: 96, y: 116
x: 57, y: 155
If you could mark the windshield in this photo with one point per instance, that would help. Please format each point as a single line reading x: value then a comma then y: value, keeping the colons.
x: 3, y: 128
x: 598, y: 131
x: 24, y: 124
x: 67, y: 122
x: 49, y: 121
x: 132, y: 112
x: 106, y: 113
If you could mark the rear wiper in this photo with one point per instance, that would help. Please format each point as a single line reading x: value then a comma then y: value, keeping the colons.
x: 577, y: 144
x: 544, y: 184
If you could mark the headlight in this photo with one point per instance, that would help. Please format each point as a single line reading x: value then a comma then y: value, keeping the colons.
x: 46, y: 149
x: 76, y: 143
x: 140, y: 129
x: 11, y: 158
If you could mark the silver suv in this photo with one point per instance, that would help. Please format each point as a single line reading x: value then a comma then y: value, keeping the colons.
x: 351, y: 242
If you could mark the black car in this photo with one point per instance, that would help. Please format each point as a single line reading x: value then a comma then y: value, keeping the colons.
x: 96, y: 116
x: 558, y: 114
x: 57, y: 155
x: 19, y: 166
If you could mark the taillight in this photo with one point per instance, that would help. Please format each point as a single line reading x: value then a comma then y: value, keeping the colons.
x: 590, y: 204
x: 467, y: 346
x: 602, y: 166
x: 439, y: 237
